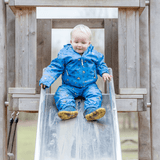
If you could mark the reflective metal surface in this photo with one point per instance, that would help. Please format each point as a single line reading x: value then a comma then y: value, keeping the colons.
x: 77, y: 139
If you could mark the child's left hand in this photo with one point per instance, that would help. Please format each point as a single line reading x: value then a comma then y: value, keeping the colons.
x: 106, y: 76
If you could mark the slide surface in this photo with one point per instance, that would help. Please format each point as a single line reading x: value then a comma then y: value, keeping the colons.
x: 77, y: 139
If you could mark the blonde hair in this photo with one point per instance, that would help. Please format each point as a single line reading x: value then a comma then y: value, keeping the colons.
x: 83, y: 29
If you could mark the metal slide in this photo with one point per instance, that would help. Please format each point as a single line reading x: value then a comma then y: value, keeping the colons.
x: 77, y: 139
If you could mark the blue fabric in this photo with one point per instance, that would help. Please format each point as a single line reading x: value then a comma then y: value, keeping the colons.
x: 65, y: 96
x: 78, y: 71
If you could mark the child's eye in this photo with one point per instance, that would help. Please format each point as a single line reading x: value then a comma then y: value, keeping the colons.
x: 83, y: 43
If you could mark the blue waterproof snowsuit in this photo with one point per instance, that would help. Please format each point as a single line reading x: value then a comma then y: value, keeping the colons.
x: 79, y: 76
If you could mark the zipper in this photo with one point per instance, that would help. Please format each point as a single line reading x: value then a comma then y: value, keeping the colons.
x: 67, y: 72
x: 82, y: 61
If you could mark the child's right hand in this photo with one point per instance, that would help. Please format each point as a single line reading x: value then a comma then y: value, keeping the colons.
x: 43, y: 86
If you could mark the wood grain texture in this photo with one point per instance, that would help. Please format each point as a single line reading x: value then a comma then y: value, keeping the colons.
x: 155, y: 77
x: 144, y: 117
x: 70, y: 23
x: 3, y: 82
x: 76, y: 3
x: 128, y: 28
x: 111, y: 48
x: 133, y: 91
x: 25, y: 47
x: 21, y: 90
x: 30, y: 103
x: 44, y: 33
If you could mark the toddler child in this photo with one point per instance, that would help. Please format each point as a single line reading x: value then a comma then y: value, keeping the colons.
x: 79, y: 65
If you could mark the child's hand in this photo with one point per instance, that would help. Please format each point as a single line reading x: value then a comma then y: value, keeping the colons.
x: 106, y: 76
x: 43, y: 86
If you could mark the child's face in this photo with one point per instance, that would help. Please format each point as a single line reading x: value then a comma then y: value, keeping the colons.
x: 80, y: 41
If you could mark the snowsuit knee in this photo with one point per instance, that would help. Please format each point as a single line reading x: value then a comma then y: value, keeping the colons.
x: 65, y: 96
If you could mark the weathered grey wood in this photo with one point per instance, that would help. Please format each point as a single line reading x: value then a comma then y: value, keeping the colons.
x: 25, y: 95
x: 133, y: 91
x: 25, y: 55
x: 10, y: 48
x: 126, y: 105
x: 70, y: 23
x: 11, y: 66
x: 22, y: 90
x: 128, y: 44
x: 3, y: 82
x: 43, y: 47
x: 155, y: 77
x: 76, y: 3
x: 32, y: 45
x: 111, y: 48
x: 129, y: 96
x: 122, y: 47
x: 144, y: 117
x: 30, y: 103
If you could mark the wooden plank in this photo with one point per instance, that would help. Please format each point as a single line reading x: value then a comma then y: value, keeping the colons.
x: 10, y: 64
x: 133, y: 91
x: 22, y: 90
x: 144, y: 117
x: 21, y: 44
x: 25, y: 56
x: 122, y: 47
x: 25, y: 95
x: 155, y: 77
x: 129, y: 96
x: 31, y: 104
x: 128, y: 28
x: 70, y: 23
x: 3, y: 82
x: 44, y: 34
x: 131, y: 48
x: 32, y: 46
x: 111, y: 48
x: 125, y: 105
x: 76, y: 3
x: 10, y: 48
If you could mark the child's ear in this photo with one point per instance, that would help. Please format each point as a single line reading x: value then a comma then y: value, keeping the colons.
x: 89, y: 42
x: 70, y: 41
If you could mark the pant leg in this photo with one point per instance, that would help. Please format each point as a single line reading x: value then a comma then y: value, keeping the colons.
x: 93, y: 97
x: 64, y: 97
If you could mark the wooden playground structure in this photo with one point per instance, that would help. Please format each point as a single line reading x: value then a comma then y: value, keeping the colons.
x: 131, y: 50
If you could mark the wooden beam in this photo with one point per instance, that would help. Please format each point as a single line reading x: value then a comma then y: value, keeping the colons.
x: 128, y: 46
x: 3, y: 82
x: 25, y: 55
x: 70, y: 23
x: 144, y: 117
x: 75, y: 3
x: 133, y: 91
x: 44, y: 33
x: 155, y: 77
x: 30, y: 103
x: 111, y: 48
x: 22, y: 90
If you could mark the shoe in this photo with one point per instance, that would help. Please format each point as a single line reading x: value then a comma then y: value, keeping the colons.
x: 93, y: 114
x: 68, y: 113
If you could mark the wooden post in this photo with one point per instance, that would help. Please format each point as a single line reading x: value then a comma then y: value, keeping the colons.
x: 44, y: 32
x: 128, y: 46
x: 111, y: 48
x: 11, y: 66
x: 3, y: 83
x: 25, y: 47
x: 155, y: 77
x: 144, y: 117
